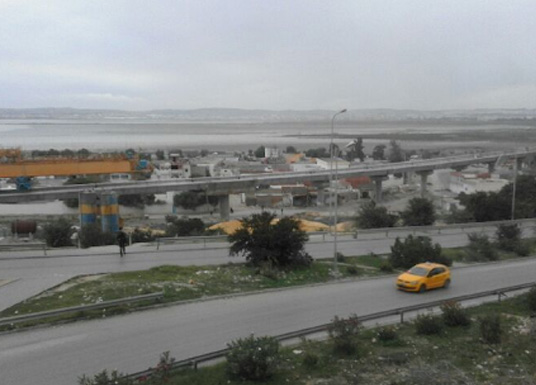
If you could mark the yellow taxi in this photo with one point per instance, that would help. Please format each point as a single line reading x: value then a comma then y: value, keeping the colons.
x: 424, y: 276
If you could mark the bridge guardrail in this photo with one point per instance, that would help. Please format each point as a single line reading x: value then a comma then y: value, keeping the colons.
x: 151, y: 187
x: 66, y: 310
x: 193, y: 362
x: 24, y: 246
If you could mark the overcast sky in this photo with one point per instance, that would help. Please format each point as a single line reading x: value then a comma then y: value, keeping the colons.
x: 268, y: 54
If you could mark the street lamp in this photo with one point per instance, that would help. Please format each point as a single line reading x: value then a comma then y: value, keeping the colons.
x: 514, y: 188
x: 335, y: 199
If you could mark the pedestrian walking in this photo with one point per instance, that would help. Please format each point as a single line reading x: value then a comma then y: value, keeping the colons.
x: 122, y: 241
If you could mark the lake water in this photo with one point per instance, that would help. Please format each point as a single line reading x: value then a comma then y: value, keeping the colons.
x: 118, y: 135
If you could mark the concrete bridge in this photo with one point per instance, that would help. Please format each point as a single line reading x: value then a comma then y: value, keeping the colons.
x: 223, y: 186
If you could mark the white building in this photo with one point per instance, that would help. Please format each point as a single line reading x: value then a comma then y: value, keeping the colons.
x: 470, y: 183
x: 338, y: 163
x: 272, y: 152
x: 176, y: 168
x: 304, y: 167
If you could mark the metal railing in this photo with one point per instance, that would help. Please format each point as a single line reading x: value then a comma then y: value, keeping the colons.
x: 195, y: 239
x: 360, y: 233
x: 66, y: 310
x: 24, y: 246
x: 193, y: 362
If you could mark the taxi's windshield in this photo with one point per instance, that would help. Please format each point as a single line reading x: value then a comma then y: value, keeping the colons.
x: 421, y: 272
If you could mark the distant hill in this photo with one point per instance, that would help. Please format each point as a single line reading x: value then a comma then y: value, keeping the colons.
x: 223, y: 115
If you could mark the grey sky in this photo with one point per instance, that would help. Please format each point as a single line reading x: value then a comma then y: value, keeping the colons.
x: 276, y: 54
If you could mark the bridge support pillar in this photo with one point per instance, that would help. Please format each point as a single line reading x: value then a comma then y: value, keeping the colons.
x: 520, y: 163
x: 424, y: 179
x: 225, y: 207
x: 378, y: 187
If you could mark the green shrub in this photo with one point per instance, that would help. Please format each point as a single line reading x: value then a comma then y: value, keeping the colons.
x: 428, y: 324
x: 310, y: 360
x: 480, y: 248
x: 386, y: 267
x: 92, y: 235
x: 58, y: 233
x: 522, y: 249
x: 490, y: 328
x: 443, y: 259
x: 508, y: 236
x: 454, y: 315
x: 136, y: 200
x: 413, y: 250
x: 531, y: 299
x: 387, y: 333
x: 343, y: 333
x: 352, y: 270
x: 162, y: 372
x: 105, y: 378
x: 281, y: 244
x: 371, y: 216
x: 253, y: 359
x: 340, y: 257
x: 71, y: 202
x: 190, y: 200
x: 184, y: 227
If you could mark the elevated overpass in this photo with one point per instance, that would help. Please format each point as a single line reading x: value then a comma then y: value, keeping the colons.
x: 226, y: 185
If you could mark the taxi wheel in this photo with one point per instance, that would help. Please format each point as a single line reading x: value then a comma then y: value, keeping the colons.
x: 446, y: 284
x: 422, y: 289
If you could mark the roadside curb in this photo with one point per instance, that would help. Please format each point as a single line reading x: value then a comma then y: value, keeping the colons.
x: 4, y: 282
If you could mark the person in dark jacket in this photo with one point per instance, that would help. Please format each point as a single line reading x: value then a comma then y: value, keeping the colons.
x: 122, y: 241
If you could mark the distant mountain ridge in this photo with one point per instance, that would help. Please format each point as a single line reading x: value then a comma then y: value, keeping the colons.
x: 266, y: 116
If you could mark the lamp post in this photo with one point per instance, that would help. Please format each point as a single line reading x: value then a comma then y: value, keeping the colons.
x: 335, y: 195
x: 514, y: 188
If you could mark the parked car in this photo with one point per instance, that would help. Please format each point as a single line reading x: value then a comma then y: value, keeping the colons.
x: 424, y: 276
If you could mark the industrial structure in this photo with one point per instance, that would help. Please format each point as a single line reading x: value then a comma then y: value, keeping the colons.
x: 104, y: 206
x: 14, y: 166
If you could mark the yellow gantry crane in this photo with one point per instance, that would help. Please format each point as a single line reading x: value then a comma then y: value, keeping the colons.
x: 12, y: 165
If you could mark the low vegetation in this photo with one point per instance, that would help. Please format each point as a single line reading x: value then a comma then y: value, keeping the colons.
x: 372, y: 216
x: 412, y: 250
x: 58, y: 233
x: 253, y: 358
x: 396, y: 354
x: 92, y: 235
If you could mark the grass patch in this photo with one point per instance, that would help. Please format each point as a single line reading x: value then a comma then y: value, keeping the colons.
x: 177, y: 282
x: 371, y: 260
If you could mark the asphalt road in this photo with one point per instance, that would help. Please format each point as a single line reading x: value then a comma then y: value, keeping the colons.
x: 133, y: 342
x: 30, y: 272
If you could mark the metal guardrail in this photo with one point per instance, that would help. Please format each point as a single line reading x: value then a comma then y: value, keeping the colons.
x: 196, y: 239
x: 66, y: 310
x: 24, y: 246
x: 193, y: 362
x: 432, y: 229
x: 360, y: 232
